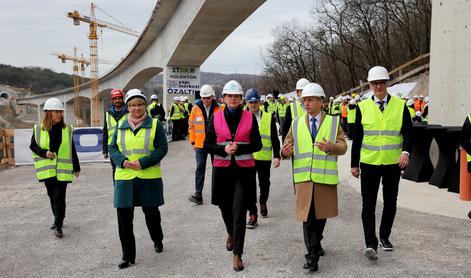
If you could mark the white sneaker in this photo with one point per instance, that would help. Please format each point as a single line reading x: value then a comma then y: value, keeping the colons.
x: 370, y: 254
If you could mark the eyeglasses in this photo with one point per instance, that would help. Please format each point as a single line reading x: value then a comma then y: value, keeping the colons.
x: 203, y: 98
x: 135, y: 106
x: 232, y: 96
x: 378, y: 82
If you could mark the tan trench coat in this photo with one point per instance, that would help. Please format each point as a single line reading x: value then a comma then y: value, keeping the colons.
x: 325, y: 196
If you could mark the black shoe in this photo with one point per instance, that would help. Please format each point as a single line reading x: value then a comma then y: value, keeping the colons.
x: 58, y: 232
x: 196, y: 198
x: 158, y: 246
x: 53, y: 227
x: 370, y: 254
x: 263, y: 210
x: 321, y: 250
x: 252, y: 222
x: 387, y: 246
x: 125, y: 264
x: 311, y: 265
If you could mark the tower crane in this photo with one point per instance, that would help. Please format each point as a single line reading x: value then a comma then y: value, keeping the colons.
x: 78, y: 62
x: 93, y: 38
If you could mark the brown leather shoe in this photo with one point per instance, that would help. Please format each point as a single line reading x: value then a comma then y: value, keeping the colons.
x: 229, y: 243
x: 238, y: 263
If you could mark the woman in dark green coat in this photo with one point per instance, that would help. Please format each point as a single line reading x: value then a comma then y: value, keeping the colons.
x: 137, y: 147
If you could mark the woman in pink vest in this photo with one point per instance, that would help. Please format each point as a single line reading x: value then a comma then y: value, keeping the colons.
x: 232, y: 137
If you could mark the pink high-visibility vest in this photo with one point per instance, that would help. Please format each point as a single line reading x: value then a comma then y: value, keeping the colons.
x: 242, y: 136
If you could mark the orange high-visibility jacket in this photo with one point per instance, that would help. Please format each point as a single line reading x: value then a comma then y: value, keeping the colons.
x: 416, y: 105
x: 344, y: 111
x: 196, y: 126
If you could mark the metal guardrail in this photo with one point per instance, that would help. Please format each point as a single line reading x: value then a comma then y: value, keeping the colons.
x: 404, y: 71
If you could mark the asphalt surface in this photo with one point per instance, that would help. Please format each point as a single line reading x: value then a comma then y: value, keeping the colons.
x: 426, y: 245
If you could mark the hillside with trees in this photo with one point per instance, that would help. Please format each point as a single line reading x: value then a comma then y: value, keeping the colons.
x: 350, y: 37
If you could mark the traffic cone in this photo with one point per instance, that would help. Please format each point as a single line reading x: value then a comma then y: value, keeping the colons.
x: 465, y: 178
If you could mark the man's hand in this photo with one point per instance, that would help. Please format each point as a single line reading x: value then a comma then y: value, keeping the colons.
x: 50, y: 154
x: 276, y: 162
x: 105, y: 155
x: 287, y: 150
x: 325, y: 146
x: 403, y: 160
x: 77, y: 174
x: 356, y: 172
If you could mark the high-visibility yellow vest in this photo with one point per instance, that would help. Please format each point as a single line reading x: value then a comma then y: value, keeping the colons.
x: 411, y: 112
x: 297, y: 110
x: 60, y: 166
x: 111, y: 125
x: 177, y: 112
x: 351, y: 115
x: 150, y: 107
x: 186, y: 105
x: 265, y: 127
x: 468, y: 155
x: 271, y: 107
x: 135, y: 147
x: 382, y: 139
x: 282, y: 107
x: 310, y: 163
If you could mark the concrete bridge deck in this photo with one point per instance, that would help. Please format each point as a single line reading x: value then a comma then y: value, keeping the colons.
x: 427, y: 245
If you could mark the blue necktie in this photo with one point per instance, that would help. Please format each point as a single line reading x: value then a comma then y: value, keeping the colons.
x: 381, y: 105
x: 313, y: 129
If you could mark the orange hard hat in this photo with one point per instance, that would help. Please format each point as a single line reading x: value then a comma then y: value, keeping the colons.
x: 116, y: 93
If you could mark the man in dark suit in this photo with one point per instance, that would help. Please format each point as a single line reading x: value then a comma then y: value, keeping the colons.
x: 380, y: 149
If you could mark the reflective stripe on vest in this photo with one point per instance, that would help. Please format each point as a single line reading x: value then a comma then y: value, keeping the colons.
x: 60, y: 166
x: 196, y: 126
x: 297, y: 110
x: 351, y: 115
x: 382, y: 140
x: 310, y: 163
x: 135, y: 147
x: 111, y: 125
x: 224, y: 137
x: 265, y: 132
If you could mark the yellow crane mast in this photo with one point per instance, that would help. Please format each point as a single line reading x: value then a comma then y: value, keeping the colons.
x: 93, y: 38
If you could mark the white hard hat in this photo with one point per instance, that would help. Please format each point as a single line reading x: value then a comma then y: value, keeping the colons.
x: 185, y: 98
x: 134, y: 93
x: 352, y: 102
x: 331, y: 98
x: 152, y: 97
x: 409, y: 102
x: 344, y: 98
x: 262, y: 98
x: 421, y: 96
x: 378, y: 73
x: 53, y: 104
x: 301, y: 83
x: 232, y: 88
x: 357, y: 97
x: 415, y: 96
x: 176, y: 98
x: 206, y: 91
x: 269, y: 95
x: 418, y: 114
x: 182, y: 98
x: 426, y: 99
x: 312, y: 90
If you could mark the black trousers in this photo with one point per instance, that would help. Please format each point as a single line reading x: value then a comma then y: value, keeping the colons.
x: 126, y: 234
x: 56, y: 191
x: 263, y: 171
x: 371, y: 175
x: 176, y: 129
x: 313, y: 230
x: 234, y: 214
x: 350, y: 130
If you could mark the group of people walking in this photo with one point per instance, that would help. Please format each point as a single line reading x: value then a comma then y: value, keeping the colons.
x: 242, y: 144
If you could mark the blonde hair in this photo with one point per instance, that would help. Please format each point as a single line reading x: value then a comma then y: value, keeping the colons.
x: 46, y: 122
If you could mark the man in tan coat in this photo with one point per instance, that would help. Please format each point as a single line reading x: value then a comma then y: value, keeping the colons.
x: 314, y: 141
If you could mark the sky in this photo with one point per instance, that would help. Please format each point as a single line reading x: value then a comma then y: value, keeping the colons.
x: 30, y: 30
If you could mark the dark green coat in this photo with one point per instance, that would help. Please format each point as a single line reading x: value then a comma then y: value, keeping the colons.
x: 140, y: 192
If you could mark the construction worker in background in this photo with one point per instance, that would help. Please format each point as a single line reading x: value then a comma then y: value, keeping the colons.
x: 422, y: 103
x: 137, y: 148
x: 270, y: 104
x: 381, y: 147
x: 155, y: 109
x: 282, y: 107
x: 115, y: 113
x: 410, y: 108
x: 416, y: 103
x: 233, y: 137
x: 465, y: 142
x: 352, y: 107
x: 296, y: 108
x: 314, y: 141
x: 330, y: 106
x: 176, y: 115
x: 198, y: 126
x: 418, y: 117
x: 425, y: 109
x: 263, y: 158
x: 187, y: 106
x: 55, y: 158
x: 344, y: 114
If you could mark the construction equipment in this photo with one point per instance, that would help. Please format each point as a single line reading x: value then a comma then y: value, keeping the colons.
x: 93, y: 38
x: 82, y: 62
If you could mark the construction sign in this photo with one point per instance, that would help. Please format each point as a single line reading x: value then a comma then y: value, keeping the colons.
x: 182, y: 80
